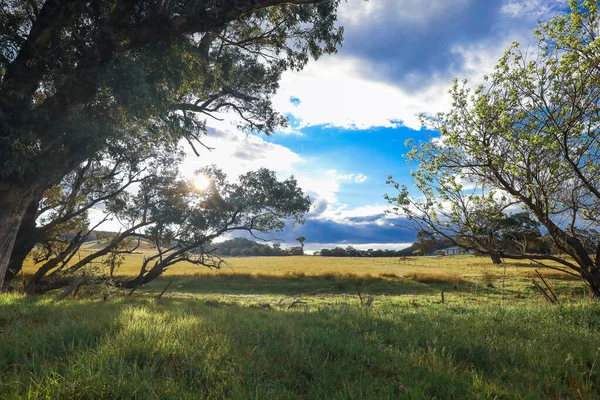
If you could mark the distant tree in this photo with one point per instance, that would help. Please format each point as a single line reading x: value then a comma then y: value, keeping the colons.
x: 529, y: 137
x: 246, y: 252
x: 426, y: 242
x: 295, y: 251
x: 301, y: 240
x: 277, y: 248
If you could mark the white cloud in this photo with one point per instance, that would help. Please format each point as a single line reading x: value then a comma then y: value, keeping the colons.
x: 360, y: 178
x: 540, y: 9
x: 419, y: 12
x: 356, y: 178
x: 365, y: 214
x: 335, y: 92
x: 237, y: 153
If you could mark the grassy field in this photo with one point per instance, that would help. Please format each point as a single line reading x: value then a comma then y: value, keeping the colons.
x: 464, y: 279
x: 294, y: 327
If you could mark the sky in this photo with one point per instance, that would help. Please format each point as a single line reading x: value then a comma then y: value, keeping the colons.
x: 351, y: 113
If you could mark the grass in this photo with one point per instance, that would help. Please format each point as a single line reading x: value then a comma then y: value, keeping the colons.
x: 186, y: 348
x: 294, y: 327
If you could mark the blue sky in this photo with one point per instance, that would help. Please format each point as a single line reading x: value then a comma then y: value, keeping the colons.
x: 351, y: 113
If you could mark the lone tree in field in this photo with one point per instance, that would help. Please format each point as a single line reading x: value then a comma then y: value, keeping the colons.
x: 301, y: 240
x: 75, y: 76
x: 529, y: 138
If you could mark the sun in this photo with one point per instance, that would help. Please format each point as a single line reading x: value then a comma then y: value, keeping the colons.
x: 201, y: 182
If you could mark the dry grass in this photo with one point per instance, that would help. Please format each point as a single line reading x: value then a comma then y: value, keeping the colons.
x: 431, y: 277
x: 450, y: 270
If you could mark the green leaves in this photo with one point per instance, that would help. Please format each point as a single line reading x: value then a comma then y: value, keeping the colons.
x: 530, y: 136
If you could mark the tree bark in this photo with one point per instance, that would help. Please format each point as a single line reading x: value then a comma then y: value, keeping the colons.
x: 144, y: 277
x: 26, y: 239
x: 55, y: 261
x: 592, y: 278
x: 14, y: 202
x: 495, y: 258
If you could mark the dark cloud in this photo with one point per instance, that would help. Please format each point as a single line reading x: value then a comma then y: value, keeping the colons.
x: 216, y: 133
x: 319, y: 205
x: 245, y: 155
x: 369, y: 218
x: 410, y: 42
x: 328, y: 231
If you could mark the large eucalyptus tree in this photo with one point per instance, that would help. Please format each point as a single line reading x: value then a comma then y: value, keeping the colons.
x: 77, y: 75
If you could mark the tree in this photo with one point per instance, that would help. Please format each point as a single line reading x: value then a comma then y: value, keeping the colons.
x: 529, y: 138
x: 301, y: 240
x: 257, y: 203
x: 182, y: 222
x: 76, y: 76
x: 57, y: 226
x: 425, y: 243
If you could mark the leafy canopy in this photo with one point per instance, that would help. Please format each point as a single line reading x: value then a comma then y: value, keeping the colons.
x: 529, y: 138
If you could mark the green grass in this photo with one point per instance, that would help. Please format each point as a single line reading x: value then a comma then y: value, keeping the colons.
x: 241, y: 333
x: 188, y: 348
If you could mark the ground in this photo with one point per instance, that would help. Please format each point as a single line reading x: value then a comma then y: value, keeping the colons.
x: 298, y: 327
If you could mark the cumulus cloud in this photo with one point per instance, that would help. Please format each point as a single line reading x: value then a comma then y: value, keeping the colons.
x: 335, y: 93
x: 411, y: 42
x: 401, y: 62
x: 360, y: 178
x: 237, y: 153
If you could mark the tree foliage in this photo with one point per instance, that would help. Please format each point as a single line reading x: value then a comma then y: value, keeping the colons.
x: 527, y: 138
x: 181, y: 223
x: 77, y: 76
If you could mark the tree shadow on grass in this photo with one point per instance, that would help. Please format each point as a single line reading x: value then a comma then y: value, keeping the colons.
x: 184, y: 348
x: 305, y: 284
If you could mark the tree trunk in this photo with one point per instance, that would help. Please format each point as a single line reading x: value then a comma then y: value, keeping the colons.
x: 14, y: 202
x: 27, y: 237
x: 592, y: 279
x: 144, y: 277
x: 55, y: 261
x: 495, y: 258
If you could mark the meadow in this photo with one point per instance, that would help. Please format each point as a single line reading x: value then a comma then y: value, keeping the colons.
x: 299, y: 327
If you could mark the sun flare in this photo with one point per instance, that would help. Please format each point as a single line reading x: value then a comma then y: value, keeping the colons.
x: 201, y: 182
